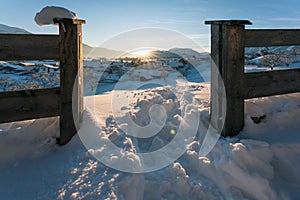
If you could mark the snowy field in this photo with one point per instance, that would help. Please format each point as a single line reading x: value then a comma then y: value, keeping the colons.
x: 261, y: 163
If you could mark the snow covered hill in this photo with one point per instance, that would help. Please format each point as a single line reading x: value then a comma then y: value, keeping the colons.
x: 176, y: 53
x: 188, y: 53
x: 259, y: 51
x: 272, y: 56
x: 4, y: 29
x: 99, y: 52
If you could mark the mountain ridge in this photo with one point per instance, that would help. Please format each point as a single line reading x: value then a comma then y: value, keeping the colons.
x: 5, y: 29
x: 100, y: 52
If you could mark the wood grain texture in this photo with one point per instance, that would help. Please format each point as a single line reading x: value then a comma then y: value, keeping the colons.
x: 71, y: 79
x: 228, y: 40
x: 269, y: 83
x: 228, y: 54
x: 271, y: 37
x: 233, y: 77
x: 29, y: 104
x: 29, y: 47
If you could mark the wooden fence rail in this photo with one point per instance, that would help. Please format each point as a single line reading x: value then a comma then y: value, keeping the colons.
x: 29, y: 47
x: 65, y: 101
x: 228, y: 41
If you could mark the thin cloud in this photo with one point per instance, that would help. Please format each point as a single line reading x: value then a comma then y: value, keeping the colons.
x: 285, y: 19
x: 194, y: 10
x: 171, y: 21
x: 198, y: 36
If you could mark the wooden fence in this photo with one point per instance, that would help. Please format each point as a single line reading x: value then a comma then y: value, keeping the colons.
x: 65, y: 101
x: 228, y: 41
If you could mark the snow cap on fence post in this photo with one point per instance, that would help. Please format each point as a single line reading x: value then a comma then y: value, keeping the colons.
x: 47, y: 14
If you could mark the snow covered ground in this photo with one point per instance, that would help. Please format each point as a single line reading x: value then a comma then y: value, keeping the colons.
x: 261, y: 163
x: 15, y: 75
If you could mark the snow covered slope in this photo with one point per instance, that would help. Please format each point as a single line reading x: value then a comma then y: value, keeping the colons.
x: 188, y: 53
x: 4, y: 29
x: 272, y: 56
x: 99, y: 52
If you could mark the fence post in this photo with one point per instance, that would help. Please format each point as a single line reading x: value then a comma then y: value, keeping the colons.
x: 227, y: 52
x: 71, y: 77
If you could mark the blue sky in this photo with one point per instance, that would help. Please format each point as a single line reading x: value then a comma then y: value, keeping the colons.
x: 108, y: 18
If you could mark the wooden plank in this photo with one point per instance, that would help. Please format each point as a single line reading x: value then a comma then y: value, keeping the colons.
x: 29, y: 47
x: 271, y: 37
x: 269, y: 83
x: 71, y: 78
x: 29, y: 104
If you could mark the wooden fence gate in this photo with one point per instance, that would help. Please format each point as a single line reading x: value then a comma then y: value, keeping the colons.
x: 228, y: 41
x: 65, y: 101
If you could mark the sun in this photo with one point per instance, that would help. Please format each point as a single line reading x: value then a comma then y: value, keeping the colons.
x: 142, y: 52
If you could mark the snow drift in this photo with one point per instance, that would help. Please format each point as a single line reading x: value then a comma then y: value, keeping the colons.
x: 261, y: 163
